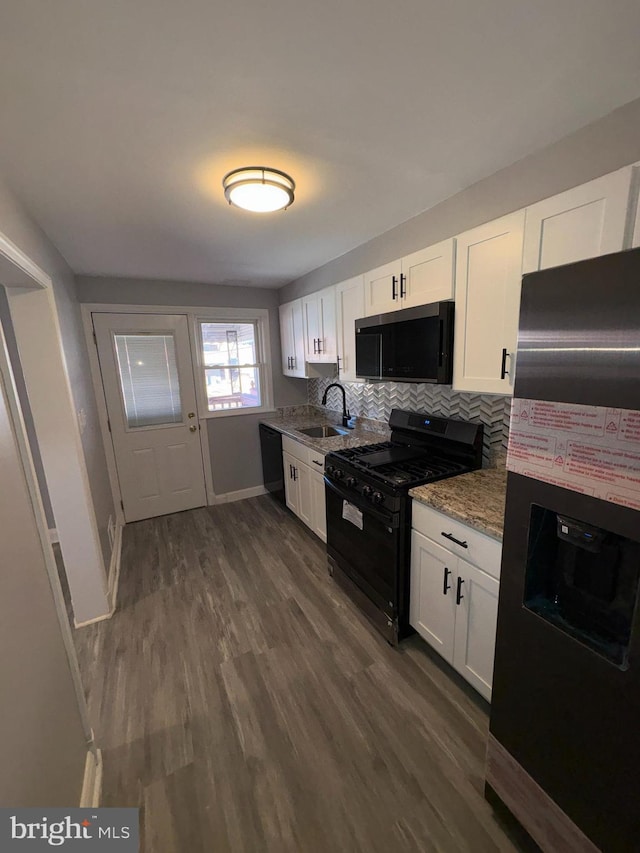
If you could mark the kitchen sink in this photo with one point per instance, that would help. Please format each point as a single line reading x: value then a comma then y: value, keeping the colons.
x: 324, y: 431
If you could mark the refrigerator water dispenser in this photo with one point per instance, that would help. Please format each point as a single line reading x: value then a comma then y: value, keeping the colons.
x: 584, y: 580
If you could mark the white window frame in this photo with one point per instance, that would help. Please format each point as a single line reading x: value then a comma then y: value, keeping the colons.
x: 259, y: 316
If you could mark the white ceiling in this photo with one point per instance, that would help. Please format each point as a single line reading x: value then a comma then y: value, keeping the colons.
x: 119, y: 118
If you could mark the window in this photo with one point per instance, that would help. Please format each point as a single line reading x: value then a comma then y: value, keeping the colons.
x: 233, y: 365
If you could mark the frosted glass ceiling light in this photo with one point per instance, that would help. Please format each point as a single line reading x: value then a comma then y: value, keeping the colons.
x: 259, y: 189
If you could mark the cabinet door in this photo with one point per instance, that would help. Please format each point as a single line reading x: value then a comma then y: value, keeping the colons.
x: 291, y: 482
x: 349, y: 308
x: 382, y: 289
x: 286, y: 338
x: 312, y: 327
x: 475, y: 620
x: 328, y: 348
x: 428, y: 275
x: 432, y: 596
x: 635, y: 238
x: 488, y: 280
x: 318, y: 504
x: 302, y: 477
x: 297, y: 322
x: 581, y: 223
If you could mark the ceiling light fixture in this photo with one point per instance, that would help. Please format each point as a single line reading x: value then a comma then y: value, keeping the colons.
x: 259, y: 189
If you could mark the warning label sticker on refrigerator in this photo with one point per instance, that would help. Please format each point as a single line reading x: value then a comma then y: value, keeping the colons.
x: 589, y: 449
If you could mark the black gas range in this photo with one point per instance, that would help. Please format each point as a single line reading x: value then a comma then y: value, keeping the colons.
x: 369, y: 509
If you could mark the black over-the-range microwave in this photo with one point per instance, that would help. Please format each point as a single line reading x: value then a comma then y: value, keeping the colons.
x: 412, y: 345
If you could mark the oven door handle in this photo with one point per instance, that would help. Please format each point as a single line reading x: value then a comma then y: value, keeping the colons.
x: 391, y: 519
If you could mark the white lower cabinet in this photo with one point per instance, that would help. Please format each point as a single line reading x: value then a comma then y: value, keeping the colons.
x: 304, y: 485
x: 453, y: 603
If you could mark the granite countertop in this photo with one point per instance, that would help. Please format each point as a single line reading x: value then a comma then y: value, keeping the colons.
x: 292, y: 420
x: 476, y: 499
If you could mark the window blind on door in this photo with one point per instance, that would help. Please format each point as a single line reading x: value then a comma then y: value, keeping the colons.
x: 149, y: 381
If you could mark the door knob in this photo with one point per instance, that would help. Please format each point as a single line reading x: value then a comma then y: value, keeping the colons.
x: 191, y: 415
x: 193, y: 428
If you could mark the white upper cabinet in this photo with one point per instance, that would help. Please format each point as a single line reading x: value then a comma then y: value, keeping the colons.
x: 428, y: 275
x: 292, y: 339
x: 319, y: 310
x: 635, y: 238
x: 349, y: 308
x: 583, y: 222
x: 488, y: 279
x: 417, y: 279
x: 382, y: 289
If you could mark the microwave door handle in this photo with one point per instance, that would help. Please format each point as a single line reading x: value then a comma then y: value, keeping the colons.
x: 441, y: 344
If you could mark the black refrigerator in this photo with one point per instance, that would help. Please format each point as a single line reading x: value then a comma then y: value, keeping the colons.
x: 564, y: 744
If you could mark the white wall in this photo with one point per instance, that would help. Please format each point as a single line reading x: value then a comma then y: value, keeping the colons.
x: 21, y: 230
x: 233, y: 441
x: 42, y: 737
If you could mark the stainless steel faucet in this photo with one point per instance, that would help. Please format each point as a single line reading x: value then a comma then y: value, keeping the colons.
x: 346, y: 415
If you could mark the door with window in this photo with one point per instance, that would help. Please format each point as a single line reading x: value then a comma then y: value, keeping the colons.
x: 147, y: 374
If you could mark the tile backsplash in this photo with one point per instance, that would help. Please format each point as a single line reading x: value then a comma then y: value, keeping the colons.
x: 376, y: 399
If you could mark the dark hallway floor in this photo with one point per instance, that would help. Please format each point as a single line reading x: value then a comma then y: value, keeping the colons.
x: 244, y: 705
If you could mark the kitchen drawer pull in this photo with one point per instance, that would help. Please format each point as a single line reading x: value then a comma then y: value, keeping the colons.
x: 453, y: 539
x: 394, y: 292
x: 445, y: 581
x: 315, y: 462
x: 503, y: 370
x: 459, y: 595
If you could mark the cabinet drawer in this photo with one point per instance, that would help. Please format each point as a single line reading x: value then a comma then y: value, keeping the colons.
x: 316, y: 460
x: 295, y: 449
x: 481, y: 550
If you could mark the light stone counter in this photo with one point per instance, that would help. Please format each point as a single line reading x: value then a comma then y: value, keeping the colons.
x: 476, y: 499
x: 291, y: 420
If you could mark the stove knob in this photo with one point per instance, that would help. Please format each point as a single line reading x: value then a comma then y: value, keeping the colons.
x: 338, y: 474
x: 367, y: 491
x: 377, y: 498
x: 351, y: 482
x: 331, y: 470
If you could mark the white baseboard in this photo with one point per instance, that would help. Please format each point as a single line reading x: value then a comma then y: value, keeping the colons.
x: 113, y: 580
x: 92, y: 782
x: 240, y: 495
x: 53, y: 535
x: 101, y: 618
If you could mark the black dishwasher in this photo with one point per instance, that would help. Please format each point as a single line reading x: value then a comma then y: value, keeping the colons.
x: 272, y: 471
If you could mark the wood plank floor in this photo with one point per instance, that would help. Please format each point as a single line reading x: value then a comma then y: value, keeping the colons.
x: 244, y: 705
